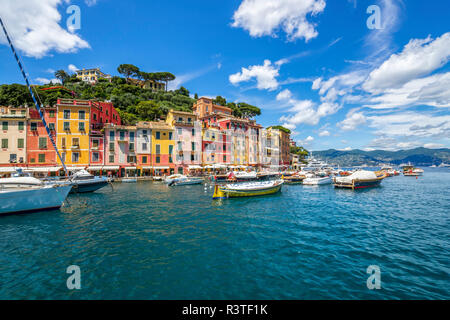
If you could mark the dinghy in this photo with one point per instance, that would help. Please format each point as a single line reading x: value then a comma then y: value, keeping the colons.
x: 250, y: 189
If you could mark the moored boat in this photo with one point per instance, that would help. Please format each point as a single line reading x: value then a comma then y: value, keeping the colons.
x: 27, y: 194
x: 250, y: 189
x: 186, y: 182
x: 83, y: 182
x: 293, y: 179
x: 314, y: 181
x: 360, y: 180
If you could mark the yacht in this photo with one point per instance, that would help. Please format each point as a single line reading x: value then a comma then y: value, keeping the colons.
x: 83, y: 182
x: 26, y: 194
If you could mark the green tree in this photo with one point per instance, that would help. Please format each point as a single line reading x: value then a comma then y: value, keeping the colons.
x: 165, y: 77
x: 221, y: 101
x: 182, y: 91
x: 281, y: 128
x: 248, y: 111
x: 62, y: 76
x: 149, y: 110
x: 128, y: 70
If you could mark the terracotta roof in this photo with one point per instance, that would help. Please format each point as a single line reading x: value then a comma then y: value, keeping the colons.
x: 154, y: 125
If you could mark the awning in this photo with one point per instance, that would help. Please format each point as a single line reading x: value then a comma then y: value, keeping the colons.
x: 147, y: 168
x: 161, y: 168
x: 193, y: 167
x: 220, y: 166
x: 98, y: 168
x: 75, y: 168
x: 43, y: 169
x: 130, y: 168
x: 111, y: 168
x: 8, y: 169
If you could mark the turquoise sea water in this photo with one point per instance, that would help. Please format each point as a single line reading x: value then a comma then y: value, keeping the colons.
x: 149, y: 241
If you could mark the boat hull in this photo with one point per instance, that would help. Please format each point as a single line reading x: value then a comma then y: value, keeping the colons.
x: 359, y: 184
x: 79, y: 187
x: 223, y: 192
x: 33, y: 199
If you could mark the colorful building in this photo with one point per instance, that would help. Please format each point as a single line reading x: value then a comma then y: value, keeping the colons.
x: 120, y: 142
x: 91, y: 75
x: 205, y: 107
x: 162, y: 152
x: 187, y: 140
x: 13, y: 134
x: 72, y: 131
x: 40, y: 150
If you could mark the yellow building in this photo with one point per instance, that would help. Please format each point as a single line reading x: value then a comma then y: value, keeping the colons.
x: 91, y: 75
x: 162, y: 155
x: 73, y: 123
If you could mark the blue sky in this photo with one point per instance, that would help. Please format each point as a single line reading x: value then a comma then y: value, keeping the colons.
x: 311, y: 65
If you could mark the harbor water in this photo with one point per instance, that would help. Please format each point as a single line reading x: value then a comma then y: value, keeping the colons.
x: 149, y: 241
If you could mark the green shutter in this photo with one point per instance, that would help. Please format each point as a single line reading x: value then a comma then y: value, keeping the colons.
x: 20, y: 143
x: 5, y: 125
x: 5, y: 143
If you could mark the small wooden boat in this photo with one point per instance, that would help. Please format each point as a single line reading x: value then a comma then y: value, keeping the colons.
x: 294, y: 179
x: 360, y: 180
x: 250, y: 189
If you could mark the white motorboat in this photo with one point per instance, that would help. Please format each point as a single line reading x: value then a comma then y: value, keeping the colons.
x: 83, y: 182
x: 26, y: 194
x: 186, y: 182
x: 313, y: 181
x: 243, y: 175
x: 174, y: 178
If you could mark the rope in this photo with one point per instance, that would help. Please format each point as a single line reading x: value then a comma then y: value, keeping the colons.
x: 32, y: 94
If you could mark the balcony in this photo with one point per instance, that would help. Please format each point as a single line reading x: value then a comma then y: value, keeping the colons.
x: 75, y: 147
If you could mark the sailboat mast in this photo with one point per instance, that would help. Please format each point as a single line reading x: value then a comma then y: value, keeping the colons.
x: 38, y: 108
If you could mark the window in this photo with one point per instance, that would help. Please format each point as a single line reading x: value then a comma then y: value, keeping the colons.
x: 122, y: 135
x: 95, y: 143
x: 32, y: 160
x: 33, y: 126
x: 224, y: 158
x: 81, y: 126
x: 111, y: 158
x: 111, y: 146
x: 13, y: 112
x: 180, y: 131
x: 66, y: 126
x: 22, y: 112
x: 193, y: 146
x: 131, y: 159
x: 193, y: 132
x: 170, y: 149
x: 20, y: 143
x: 95, y: 157
x: 170, y: 135
x: 158, y: 149
x: 131, y: 147
x: 81, y: 114
x: 131, y: 136
x: 75, y: 157
x: 180, y: 145
x: 41, y: 158
x: 158, y: 159
x: 5, y: 125
x: 51, y: 126
x: 158, y: 135
x: 189, y: 120
x: 21, y: 125
x: 76, y: 142
x: 95, y: 116
x: 144, y: 133
x: 144, y: 159
x: 4, y: 143
x: 42, y: 143
x: 144, y: 147
x: 111, y: 135
x: 63, y: 143
x: 51, y: 113
x: 180, y: 119
x: 67, y: 114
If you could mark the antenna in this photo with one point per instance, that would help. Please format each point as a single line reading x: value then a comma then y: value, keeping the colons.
x: 32, y: 94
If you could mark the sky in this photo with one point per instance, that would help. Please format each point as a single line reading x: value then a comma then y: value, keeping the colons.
x: 341, y: 74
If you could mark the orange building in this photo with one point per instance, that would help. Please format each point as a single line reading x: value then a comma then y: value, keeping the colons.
x: 40, y: 150
x: 204, y: 107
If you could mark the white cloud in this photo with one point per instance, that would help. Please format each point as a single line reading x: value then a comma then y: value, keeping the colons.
x: 265, y: 75
x: 352, y: 121
x: 419, y: 58
x: 324, y: 133
x: 72, y: 68
x: 46, y: 81
x: 286, y: 94
x: 306, y: 141
x: 433, y: 145
x: 35, y: 28
x: 266, y: 17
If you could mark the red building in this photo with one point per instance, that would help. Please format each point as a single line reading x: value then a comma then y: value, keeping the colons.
x: 40, y: 150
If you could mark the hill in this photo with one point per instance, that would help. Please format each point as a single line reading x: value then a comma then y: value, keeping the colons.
x: 418, y: 157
